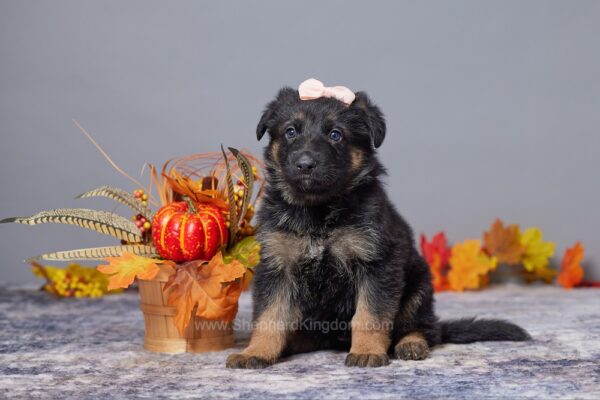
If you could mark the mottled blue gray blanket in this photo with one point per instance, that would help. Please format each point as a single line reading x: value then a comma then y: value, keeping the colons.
x: 93, y: 348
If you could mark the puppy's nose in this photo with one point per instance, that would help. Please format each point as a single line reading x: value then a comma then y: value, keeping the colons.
x: 306, y: 163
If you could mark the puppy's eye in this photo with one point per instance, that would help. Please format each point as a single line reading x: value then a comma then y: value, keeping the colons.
x: 290, y: 133
x: 335, y: 135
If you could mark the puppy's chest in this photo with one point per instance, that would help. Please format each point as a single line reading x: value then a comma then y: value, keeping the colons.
x: 334, y: 253
x: 325, y: 285
x: 322, y: 268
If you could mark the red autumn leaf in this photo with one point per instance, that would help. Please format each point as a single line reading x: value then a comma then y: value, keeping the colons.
x: 437, y: 253
x: 571, y: 271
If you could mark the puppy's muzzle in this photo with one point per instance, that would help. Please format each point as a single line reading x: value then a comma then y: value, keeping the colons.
x: 306, y: 163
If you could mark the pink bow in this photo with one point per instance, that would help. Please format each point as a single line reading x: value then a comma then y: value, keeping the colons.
x: 313, y: 89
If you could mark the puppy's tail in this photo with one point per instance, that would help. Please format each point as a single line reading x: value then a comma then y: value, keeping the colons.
x: 468, y: 330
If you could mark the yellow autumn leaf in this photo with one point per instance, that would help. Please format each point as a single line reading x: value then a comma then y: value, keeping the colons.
x: 537, y: 253
x: 124, y: 269
x: 469, y: 265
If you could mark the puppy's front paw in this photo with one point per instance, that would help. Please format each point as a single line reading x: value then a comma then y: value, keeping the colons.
x: 412, y: 350
x: 367, y: 360
x: 246, y: 361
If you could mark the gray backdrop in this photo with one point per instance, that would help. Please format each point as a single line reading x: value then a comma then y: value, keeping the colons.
x: 493, y: 108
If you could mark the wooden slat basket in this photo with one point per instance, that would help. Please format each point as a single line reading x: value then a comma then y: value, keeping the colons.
x: 161, y: 335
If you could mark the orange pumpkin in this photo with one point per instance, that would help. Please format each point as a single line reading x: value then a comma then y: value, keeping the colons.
x: 182, y: 236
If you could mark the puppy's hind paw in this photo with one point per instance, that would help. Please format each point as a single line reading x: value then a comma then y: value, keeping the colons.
x: 412, y: 350
x: 367, y: 360
x: 246, y: 362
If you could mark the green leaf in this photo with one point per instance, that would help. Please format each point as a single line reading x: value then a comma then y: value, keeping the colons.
x: 246, y: 251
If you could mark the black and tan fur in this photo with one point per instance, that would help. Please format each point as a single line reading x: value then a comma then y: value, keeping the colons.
x: 339, y: 268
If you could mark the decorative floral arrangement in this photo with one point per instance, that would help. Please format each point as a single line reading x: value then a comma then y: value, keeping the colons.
x: 467, y: 265
x: 201, y: 232
x: 74, y: 281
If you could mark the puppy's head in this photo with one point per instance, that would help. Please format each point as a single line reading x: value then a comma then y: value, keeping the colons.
x: 320, y: 148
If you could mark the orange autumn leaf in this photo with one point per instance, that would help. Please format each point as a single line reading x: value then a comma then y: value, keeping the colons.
x: 571, y: 272
x: 212, y: 288
x: 436, y: 253
x: 124, y: 269
x: 469, y: 265
x: 504, y: 243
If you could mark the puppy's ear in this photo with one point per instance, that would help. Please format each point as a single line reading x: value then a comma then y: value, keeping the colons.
x: 262, y: 126
x: 373, y: 117
x: 286, y: 96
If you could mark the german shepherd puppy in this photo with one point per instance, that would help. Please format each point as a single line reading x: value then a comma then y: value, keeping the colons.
x: 339, y: 268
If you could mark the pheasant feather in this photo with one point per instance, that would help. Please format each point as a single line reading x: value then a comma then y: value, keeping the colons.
x: 99, y: 221
x: 233, y: 217
x: 118, y: 195
x: 98, y: 253
x: 246, y: 169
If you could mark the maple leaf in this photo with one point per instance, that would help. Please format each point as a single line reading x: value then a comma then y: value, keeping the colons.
x: 504, y: 243
x: 536, y: 254
x: 209, y: 287
x: 246, y: 251
x: 124, y: 269
x: 436, y: 253
x: 469, y: 265
x: 571, y: 271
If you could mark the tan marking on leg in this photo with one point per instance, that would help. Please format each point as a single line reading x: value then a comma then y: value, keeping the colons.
x: 370, y: 338
x: 271, y: 330
x: 269, y: 336
x: 413, y: 337
x: 369, y: 334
